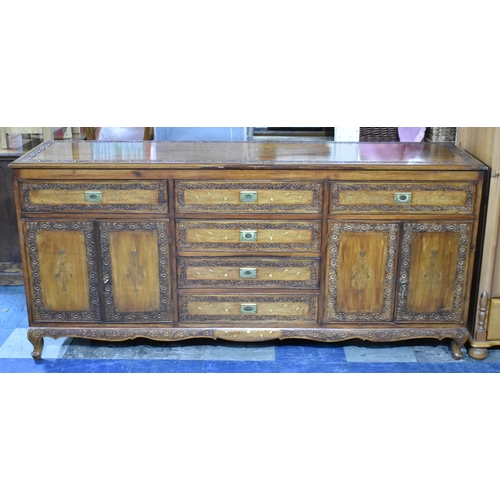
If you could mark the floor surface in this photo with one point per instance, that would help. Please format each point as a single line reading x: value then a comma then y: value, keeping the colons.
x: 217, y: 356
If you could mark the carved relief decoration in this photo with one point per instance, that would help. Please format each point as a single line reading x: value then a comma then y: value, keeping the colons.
x: 312, y: 265
x: 313, y: 246
x: 165, y: 313
x: 107, y: 207
x: 249, y: 207
x: 332, y: 313
x: 337, y: 188
x: 408, y: 230
x: 459, y: 335
x: 41, y: 313
x: 261, y: 300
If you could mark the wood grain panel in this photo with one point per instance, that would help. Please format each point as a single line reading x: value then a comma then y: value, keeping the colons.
x: 494, y: 320
x: 135, y: 271
x: 63, y: 271
x: 362, y: 261
x: 433, y: 272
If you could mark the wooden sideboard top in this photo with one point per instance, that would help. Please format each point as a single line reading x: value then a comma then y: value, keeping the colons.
x: 250, y: 154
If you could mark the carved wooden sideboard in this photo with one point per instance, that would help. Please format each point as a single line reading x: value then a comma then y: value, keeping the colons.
x: 248, y: 241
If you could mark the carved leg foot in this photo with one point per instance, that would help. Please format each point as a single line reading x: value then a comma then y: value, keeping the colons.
x: 478, y: 353
x: 37, y: 341
x: 456, y: 350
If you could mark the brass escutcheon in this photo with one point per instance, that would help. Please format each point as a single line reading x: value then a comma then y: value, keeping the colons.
x: 93, y: 196
x: 248, y: 308
x: 248, y: 235
x: 402, y: 197
x: 248, y: 272
x: 248, y: 196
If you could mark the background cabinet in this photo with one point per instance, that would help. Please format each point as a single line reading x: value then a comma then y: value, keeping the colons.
x: 484, y: 143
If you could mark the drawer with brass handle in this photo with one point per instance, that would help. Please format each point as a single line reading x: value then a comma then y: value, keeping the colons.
x: 378, y: 197
x: 242, y: 235
x: 278, y: 197
x: 248, y: 273
x: 248, y: 308
x: 104, y: 196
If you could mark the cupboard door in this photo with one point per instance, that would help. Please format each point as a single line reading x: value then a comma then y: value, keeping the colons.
x: 433, y: 273
x: 135, y: 266
x: 63, y: 270
x: 361, y: 271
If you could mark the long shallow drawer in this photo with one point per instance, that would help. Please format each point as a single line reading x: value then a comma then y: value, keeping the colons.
x: 244, y: 236
x: 374, y: 197
x: 240, y: 197
x: 248, y: 273
x: 248, y: 308
x: 109, y: 197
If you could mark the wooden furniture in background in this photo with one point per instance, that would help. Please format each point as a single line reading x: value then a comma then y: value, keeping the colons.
x: 248, y: 241
x: 484, y: 143
x: 46, y: 132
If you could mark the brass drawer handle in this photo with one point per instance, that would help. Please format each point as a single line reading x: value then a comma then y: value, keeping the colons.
x: 248, y: 196
x: 248, y: 308
x: 402, y: 197
x: 248, y: 235
x: 248, y: 272
x: 93, y: 196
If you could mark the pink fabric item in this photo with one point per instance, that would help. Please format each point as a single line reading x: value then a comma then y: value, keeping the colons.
x: 411, y: 134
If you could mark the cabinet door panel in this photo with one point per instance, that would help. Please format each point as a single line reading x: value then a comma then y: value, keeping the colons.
x: 135, y: 271
x: 361, y: 268
x: 63, y: 269
x: 433, y: 271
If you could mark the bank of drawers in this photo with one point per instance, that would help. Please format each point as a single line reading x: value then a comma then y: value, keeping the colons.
x: 257, y: 238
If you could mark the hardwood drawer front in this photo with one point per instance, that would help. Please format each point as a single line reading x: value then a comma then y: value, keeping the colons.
x: 277, y: 197
x: 373, y: 197
x: 248, y: 308
x: 248, y: 273
x: 108, y: 197
x: 244, y: 236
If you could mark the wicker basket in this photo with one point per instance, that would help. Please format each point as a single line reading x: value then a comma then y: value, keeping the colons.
x: 378, y: 134
x: 440, y: 134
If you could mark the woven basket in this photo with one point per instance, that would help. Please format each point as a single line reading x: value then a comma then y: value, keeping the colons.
x: 378, y: 134
x: 440, y: 134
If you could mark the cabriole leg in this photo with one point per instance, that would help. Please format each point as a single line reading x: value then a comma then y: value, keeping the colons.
x: 37, y: 340
x: 456, y: 350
